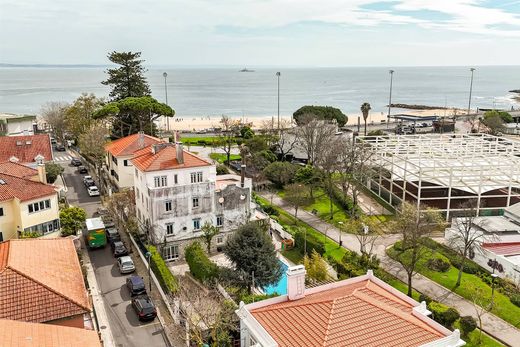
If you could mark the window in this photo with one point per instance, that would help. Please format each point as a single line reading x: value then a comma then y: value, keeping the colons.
x: 196, y: 177
x: 196, y: 224
x: 175, y: 179
x: 137, y: 192
x: 136, y: 173
x: 220, y: 239
x: 160, y: 181
x: 114, y: 159
x: 171, y: 252
x: 220, y: 221
x: 126, y: 163
x: 195, y: 202
x: 169, y: 228
x: 39, y: 206
x: 1, y: 211
x: 168, y: 205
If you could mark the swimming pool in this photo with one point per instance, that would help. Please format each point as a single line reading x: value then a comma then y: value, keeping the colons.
x: 281, y: 286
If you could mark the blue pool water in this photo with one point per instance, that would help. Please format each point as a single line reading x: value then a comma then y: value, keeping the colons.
x: 281, y: 286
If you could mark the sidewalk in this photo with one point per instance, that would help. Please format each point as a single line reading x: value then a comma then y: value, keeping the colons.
x: 492, y: 325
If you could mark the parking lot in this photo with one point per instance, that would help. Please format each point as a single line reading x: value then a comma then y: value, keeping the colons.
x: 126, y: 328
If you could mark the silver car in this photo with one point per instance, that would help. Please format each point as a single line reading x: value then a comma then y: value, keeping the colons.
x: 126, y: 265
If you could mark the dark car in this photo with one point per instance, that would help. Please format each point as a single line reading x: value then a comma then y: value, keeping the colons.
x: 88, y: 181
x: 119, y: 249
x: 112, y: 235
x: 82, y: 170
x: 144, y: 308
x: 135, y: 285
x: 75, y: 162
x: 59, y: 147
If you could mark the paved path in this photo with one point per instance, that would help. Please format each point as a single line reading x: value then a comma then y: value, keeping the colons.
x: 492, y: 324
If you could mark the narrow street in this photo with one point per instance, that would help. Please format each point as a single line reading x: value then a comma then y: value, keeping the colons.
x: 126, y: 328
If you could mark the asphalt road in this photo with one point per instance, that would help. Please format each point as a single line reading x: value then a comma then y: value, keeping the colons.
x: 126, y: 328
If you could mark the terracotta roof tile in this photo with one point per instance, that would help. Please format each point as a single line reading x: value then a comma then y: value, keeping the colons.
x: 23, y: 188
x: 18, y: 170
x: 41, y: 280
x: 129, y: 144
x: 23, y: 334
x: 165, y: 159
x: 357, y: 314
x: 25, y: 148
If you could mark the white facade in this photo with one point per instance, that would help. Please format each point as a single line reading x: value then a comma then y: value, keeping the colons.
x: 120, y: 170
x: 14, y: 125
x: 173, y: 205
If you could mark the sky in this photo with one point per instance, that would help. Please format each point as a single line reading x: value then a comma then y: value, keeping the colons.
x: 263, y: 32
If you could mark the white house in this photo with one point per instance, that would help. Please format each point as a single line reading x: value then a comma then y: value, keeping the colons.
x: 16, y: 125
x: 177, y: 192
x: 359, y: 311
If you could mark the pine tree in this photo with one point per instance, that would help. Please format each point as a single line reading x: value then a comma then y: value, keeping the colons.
x: 128, y: 79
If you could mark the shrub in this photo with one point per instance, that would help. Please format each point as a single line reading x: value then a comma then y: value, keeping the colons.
x: 321, y: 112
x: 469, y: 266
x: 280, y: 172
x: 166, y: 279
x: 438, y: 263
x: 344, y: 201
x: 467, y: 325
x: 222, y: 169
x: 425, y: 298
x: 443, y: 314
x: 312, y: 243
x: 201, y: 267
x: 515, y: 299
x: 30, y: 234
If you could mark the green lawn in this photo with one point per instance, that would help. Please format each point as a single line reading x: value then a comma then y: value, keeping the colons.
x: 470, y: 287
x: 473, y: 337
x: 195, y: 140
x: 221, y: 157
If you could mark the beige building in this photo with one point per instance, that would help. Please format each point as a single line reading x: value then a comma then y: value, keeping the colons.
x: 119, y: 168
x: 27, y: 203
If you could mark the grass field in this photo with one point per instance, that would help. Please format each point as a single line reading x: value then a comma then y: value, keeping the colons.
x: 221, y: 157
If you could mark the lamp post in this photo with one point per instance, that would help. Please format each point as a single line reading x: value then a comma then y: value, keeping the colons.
x: 340, y: 232
x: 493, y: 277
x: 390, y: 98
x: 149, y: 256
x: 166, y: 93
x: 470, y: 89
x: 278, y: 76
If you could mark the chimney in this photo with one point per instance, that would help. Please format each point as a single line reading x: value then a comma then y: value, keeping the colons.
x: 242, y: 175
x: 140, y: 140
x: 42, y: 174
x: 180, y: 152
x: 296, y: 282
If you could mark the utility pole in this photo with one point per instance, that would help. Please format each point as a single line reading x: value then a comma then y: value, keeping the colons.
x: 470, y: 89
x: 278, y: 75
x: 166, y: 93
x: 390, y: 99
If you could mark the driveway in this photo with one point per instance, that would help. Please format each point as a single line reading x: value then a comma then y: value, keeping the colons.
x: 126, y: 328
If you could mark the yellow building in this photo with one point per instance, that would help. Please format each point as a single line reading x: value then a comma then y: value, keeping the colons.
x: 27, y: 203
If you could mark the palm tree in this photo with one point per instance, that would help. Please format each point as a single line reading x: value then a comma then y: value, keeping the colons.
x: 365, y: 108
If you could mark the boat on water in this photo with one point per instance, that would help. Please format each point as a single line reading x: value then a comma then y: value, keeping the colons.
x: 246, y: 70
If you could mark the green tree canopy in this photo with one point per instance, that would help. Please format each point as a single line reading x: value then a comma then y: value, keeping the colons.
x: 134, y: 114
x: 321, y: 112
x: 280, y: 172
x: 71, y: 220
x: 78, y: 116
x: 252, y: 253
x: 127, y: 79
x: 505, y: 116
x: 52, y: 171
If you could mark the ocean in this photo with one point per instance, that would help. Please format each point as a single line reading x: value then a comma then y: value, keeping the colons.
x: 217, y: 91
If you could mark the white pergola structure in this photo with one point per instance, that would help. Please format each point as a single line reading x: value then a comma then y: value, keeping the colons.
x: 445, y: 171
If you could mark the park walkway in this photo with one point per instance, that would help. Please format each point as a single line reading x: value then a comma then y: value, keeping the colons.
x: 491, y: 324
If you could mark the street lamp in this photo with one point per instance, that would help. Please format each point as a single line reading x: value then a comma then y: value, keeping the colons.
x: 493, y: 277
x: 470, y: 89
x: 166, y: 93
x: 278, y: 76
x: 390, y: 98
x: 340, y: 232
x: 149, y: 256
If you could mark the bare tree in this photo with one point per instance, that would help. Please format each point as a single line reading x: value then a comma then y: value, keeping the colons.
x: 54, y: 113
x: 230, y: 130
x: 92, y: 144
x: 328, y: 163
x: 314, y: 136
x: 297, y: 195
x: 466, y: 235
x: 285, y: 138
x: 414, y: 225
x: 482, y: 307
x: 363, y: 229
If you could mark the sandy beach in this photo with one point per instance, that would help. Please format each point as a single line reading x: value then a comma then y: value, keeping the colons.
x: 187, y: 124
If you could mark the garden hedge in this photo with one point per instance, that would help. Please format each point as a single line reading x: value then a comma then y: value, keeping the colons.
x: 438, y: 263
x: 467, y: 325
x: 166, y: 279
x: 443, y: 314
x: 201, y: 267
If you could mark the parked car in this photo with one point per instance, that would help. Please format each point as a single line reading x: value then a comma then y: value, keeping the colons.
x: 93, y: 191
x: 135, y: 285
x: 75, y: 162
x: 82, y: 169
x: 112, y: 234
x: 144, y: 308
x: 59, y: 147
x: 125, y: 264
x: 53, y: 141
x: 118, y: 249
x: 88, y: 181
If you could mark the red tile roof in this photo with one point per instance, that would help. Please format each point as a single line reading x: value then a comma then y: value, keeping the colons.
x: 25, y: 148
x: 128, y: 145
x: 41, y: 280
x: 506, y: 248
x: 23, y: 334
x: 22, y: 188
x: 356, y: 314
x: 18, y: 170
x: 165, y: 159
